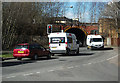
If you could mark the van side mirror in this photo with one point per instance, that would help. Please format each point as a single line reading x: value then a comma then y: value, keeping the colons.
x: 77, y: 42
x: 90, y: 41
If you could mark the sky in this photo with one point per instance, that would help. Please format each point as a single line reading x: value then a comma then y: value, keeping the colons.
x: 70, y: 14
x: 56, y: 0
x: 84, y: 0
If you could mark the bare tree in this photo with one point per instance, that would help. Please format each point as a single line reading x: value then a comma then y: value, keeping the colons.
x: 20, y: 20
x: 112, y: 10
x: 89, y: 10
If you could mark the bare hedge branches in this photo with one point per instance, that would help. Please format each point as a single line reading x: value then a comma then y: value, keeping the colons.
x: 22, y: 19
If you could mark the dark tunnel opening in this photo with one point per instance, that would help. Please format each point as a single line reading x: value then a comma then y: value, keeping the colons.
x: 81, y: 37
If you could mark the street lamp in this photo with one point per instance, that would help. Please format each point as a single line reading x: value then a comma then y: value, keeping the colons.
x: 71, y: 6
x: 64, y: 9
x: 64, y: 16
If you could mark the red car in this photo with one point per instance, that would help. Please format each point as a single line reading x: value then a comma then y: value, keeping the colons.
x: 32, y: 51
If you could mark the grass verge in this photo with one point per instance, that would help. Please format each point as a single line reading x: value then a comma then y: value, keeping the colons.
x: 10, y: 55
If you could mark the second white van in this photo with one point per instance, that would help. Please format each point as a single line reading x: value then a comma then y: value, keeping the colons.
x: 95, y: 41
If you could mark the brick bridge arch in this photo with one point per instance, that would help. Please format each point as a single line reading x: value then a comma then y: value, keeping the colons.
x: 80, y: 33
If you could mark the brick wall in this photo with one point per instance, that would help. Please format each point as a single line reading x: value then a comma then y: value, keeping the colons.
x: 115, y: 41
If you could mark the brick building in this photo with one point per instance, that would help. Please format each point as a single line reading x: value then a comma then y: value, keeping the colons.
x: 108, y: 29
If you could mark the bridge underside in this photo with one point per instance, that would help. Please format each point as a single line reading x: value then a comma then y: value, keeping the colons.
x: 81, y: 36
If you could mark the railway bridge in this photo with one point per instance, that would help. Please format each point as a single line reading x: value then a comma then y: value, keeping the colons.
x: 81, y: 32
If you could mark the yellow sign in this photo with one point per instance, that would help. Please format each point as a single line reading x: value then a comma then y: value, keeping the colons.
x: 20, y: 51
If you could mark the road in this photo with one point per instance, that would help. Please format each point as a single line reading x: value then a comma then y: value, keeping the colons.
x: 88, y: 65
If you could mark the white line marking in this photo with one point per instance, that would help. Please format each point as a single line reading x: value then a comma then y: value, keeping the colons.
x: 28, y: 74
x: 65, y: 57
x: 112, y: 57
x: 101, y: 60
x: 37, y: 72
x: 76, y: 66
x: 60, y: 68
x: 85, y: 64
x: 51, y: 70
x: 89, y: 63
x: 70, y: 67
x: 11, y: 77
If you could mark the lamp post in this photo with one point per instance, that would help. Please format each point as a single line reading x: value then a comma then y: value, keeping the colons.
x: 63, y: 11
x: 64, y: 17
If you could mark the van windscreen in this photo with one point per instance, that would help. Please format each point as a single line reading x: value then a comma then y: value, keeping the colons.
x: 57, y: 40
x: 97, y: 40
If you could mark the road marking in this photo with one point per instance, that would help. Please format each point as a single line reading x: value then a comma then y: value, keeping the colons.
x: 106, y: 59
x: 37, y: 72
x: 85, y: 64
x: 28, y: 74
x: 89, y: 63
x: 65, y: 57
x: 76, y: 66
x: 70, y: 67
x: 60, y: 68
x: 112, y: 57
x: 51, y: 70
x: 101, y: 60
x: 11, y: 77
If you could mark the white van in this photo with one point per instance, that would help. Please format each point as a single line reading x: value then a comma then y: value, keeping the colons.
x: 63, y: 43
x: 95, y: 41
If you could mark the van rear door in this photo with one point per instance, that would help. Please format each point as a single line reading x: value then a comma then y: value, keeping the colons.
x: 57, y: 43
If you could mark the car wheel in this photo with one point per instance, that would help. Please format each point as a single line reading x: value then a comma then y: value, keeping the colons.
x: 19, y: 58
x: 35, y: 57
x: 2, y: 59
x: 49, y: 56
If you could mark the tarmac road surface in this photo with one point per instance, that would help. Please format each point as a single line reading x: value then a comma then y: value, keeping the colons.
x: 88, y: 65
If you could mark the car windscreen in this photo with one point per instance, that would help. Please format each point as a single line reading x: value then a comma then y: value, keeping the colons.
x: 57, y: 40
x: 97, y: 40
x: 22, y: 47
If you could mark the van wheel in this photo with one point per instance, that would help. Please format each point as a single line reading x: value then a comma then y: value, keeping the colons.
x: 102, y: 47
x: 87, y: 48
x: 68, y: 51
x: 35, y: 57
x: 53, y: 54
x: 78, y: 51
x: 91, y: 48
x: 19, y: 58
x: 49, y: 56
